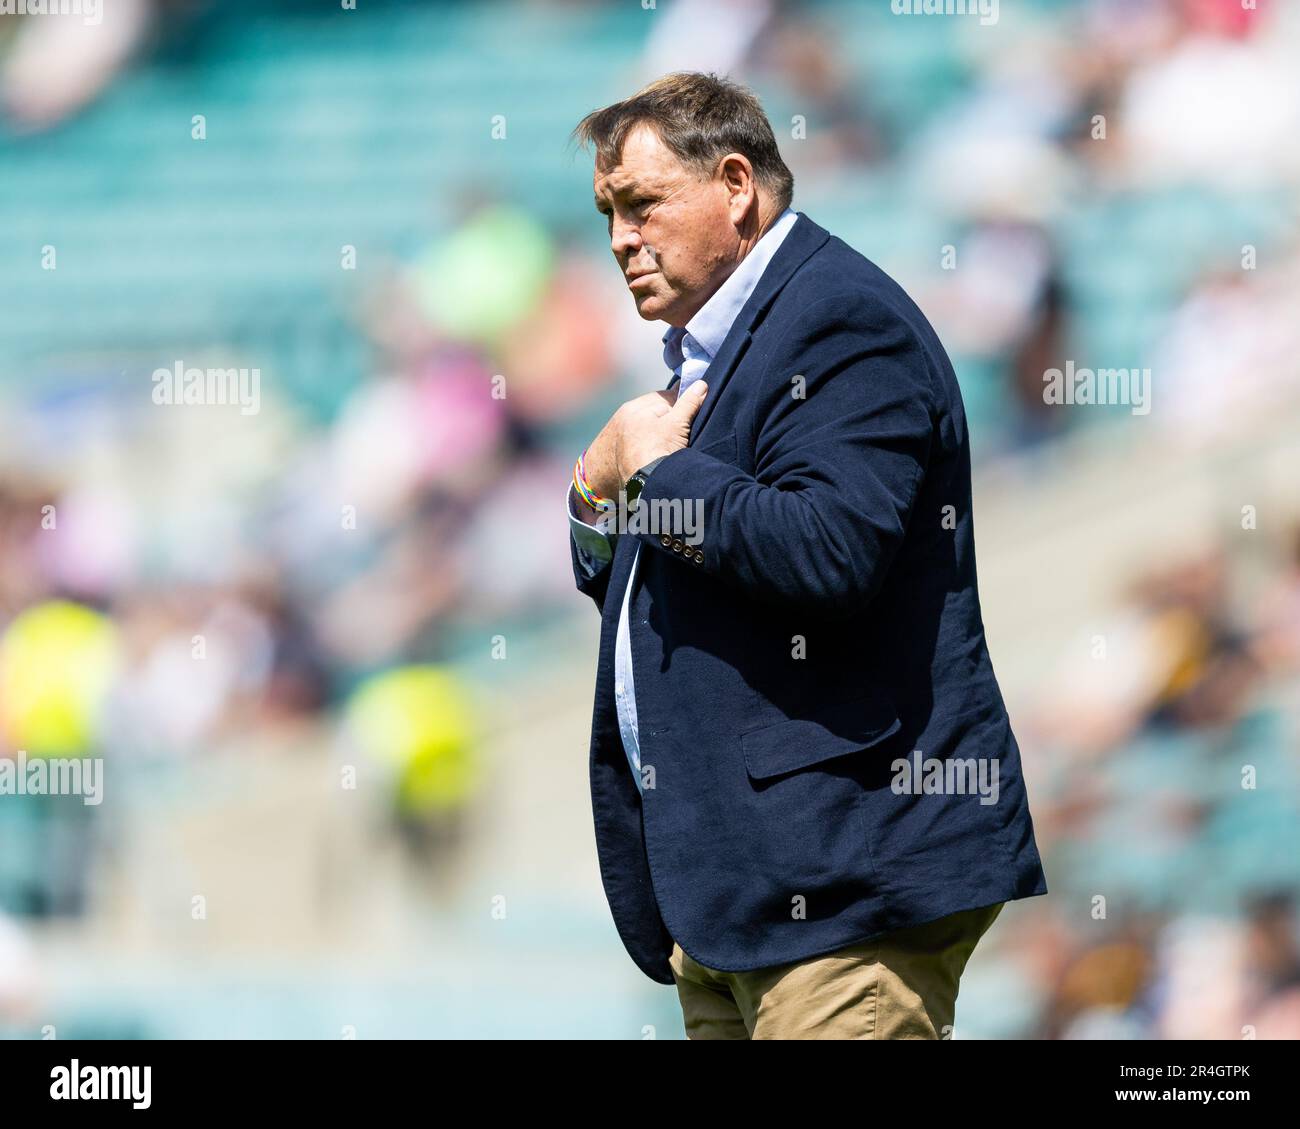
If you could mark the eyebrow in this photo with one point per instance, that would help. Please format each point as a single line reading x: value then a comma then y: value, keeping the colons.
x: 622, y: 190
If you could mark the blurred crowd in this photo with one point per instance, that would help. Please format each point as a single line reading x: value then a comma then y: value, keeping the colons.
x: 176, y: 583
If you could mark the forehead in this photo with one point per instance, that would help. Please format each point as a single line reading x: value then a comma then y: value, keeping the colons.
x: 644, y: 160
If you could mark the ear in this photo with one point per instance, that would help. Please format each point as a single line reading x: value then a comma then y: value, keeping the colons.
x: 738, y: 181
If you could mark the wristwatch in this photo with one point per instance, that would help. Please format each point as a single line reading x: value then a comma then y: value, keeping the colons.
x: 634, y: 485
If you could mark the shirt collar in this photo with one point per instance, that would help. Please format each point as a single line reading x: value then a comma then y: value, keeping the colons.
x: 712, y: 322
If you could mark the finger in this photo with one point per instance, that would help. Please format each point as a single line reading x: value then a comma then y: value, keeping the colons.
x: 688, y: 403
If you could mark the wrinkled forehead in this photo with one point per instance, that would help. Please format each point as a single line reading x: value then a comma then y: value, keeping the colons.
x: 642, y: 160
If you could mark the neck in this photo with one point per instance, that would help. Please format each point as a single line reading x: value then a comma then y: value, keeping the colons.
x: 763, y: 217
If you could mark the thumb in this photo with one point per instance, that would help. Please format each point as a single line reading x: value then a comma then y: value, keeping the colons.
x: 688, y: 403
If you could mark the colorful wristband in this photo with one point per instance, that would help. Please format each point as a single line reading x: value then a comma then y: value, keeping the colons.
x: 583, y: 487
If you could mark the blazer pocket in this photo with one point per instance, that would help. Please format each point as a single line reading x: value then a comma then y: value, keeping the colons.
x: 832, y: 731
x: 724, y: 448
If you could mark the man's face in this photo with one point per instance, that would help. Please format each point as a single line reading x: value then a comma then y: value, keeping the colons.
x: 670, y: 230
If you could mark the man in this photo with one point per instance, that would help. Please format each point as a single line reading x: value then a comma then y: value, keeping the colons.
x: 807, y: 796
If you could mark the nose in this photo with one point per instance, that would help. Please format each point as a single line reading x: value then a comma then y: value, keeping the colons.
x: 624, y: 240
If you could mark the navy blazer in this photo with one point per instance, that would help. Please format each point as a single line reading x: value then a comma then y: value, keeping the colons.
x: 824, y: 626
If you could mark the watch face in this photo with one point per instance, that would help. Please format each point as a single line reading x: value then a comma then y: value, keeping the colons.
x: 633, y: 488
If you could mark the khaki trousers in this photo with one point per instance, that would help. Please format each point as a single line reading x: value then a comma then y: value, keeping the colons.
x: 902, y: 985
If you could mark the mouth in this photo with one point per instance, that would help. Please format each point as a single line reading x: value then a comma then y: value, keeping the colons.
x: 634, y: 279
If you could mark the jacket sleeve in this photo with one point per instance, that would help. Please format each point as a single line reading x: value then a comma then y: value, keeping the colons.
x: 592, y: 549
x: 843, y: 436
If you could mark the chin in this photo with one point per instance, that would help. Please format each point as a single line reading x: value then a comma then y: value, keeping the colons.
x: 653, y: 308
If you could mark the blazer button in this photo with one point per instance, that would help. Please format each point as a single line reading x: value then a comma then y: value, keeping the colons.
x: 699, y: 556
x: 677, y: 546
x: 665, y: 540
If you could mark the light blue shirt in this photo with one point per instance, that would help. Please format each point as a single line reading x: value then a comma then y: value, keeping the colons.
x: 688, y: 352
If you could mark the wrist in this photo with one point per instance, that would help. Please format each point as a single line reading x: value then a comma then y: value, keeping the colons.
x: 595, y: 502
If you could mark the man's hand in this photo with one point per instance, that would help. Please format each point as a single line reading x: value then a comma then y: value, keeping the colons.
x: 655, y: 424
